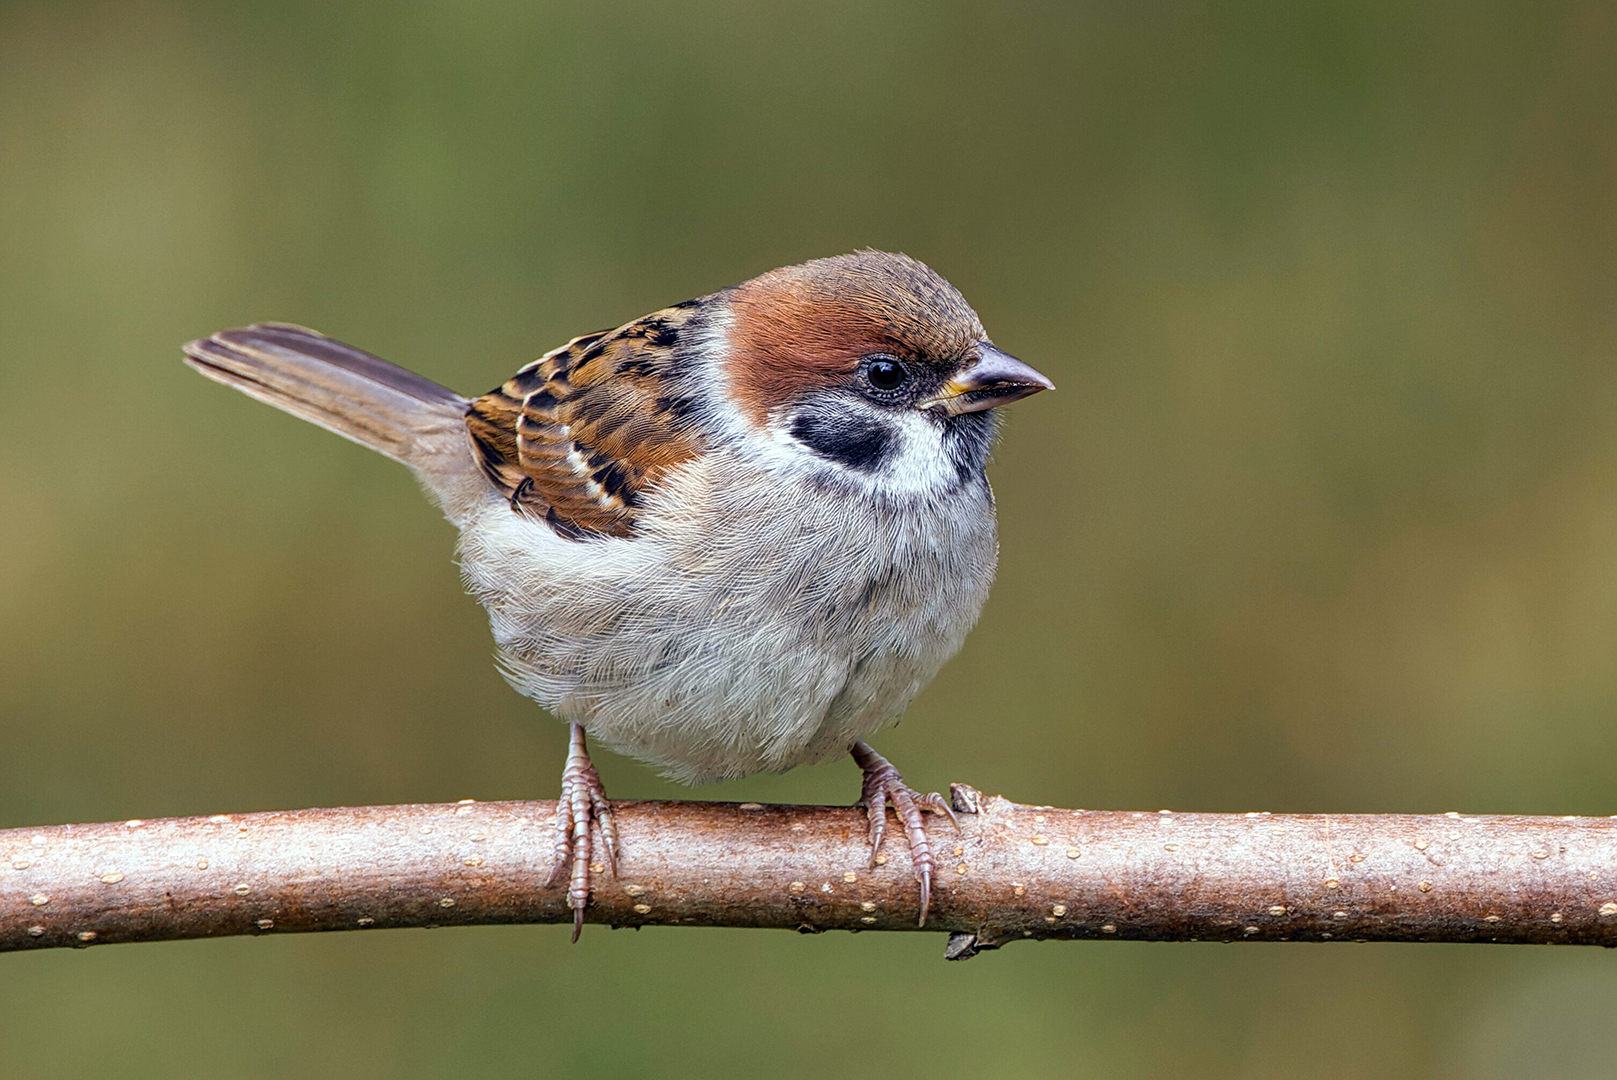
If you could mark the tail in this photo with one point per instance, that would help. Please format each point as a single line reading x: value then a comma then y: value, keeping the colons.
x: 359, y: 396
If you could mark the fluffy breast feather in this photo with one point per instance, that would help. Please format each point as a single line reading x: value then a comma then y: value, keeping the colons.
x: 753, y: 623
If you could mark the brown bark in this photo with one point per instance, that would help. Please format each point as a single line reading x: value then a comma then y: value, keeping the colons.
x: 1014, y: 872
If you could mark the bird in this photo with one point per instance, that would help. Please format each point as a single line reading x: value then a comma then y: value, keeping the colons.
x: 736, y: 535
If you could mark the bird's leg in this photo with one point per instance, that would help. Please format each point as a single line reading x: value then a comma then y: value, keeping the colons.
x: 582, y: 801
x: 884, y: 785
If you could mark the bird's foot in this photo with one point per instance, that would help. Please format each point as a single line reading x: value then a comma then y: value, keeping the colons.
x: 883, y: 785
x: 583, y: 801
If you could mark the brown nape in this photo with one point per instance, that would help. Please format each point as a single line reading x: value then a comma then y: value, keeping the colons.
x: 804, y: 327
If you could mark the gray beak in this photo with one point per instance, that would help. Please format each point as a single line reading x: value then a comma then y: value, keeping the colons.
x: 995, y: 379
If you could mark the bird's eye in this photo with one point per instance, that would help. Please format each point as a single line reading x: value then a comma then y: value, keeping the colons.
x: 885, y: 374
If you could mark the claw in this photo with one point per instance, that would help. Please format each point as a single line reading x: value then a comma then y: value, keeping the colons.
x: 583, y: 802
x: 939, y: 805
x: 882, y: 785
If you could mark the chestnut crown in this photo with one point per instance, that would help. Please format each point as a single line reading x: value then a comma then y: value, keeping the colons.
x: 831, y: 322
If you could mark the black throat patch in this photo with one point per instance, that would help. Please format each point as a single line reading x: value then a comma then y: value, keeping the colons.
x: 967, y: 440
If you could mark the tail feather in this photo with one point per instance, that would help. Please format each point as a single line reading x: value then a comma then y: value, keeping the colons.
x: 341, y: 388
x: 361, y: 397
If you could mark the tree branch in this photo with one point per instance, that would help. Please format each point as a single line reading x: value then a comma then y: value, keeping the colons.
x: 1014, y: 872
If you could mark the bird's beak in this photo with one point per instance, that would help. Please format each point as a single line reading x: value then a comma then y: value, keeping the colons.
x: 994, y: 379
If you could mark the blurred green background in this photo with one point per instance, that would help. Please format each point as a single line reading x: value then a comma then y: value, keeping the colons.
x: 1322, y: 517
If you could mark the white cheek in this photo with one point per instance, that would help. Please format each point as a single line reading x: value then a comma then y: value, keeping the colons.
x: 916, y: 464
x: 919, y: 463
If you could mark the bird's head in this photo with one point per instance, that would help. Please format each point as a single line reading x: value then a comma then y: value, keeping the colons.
x: 873, y: 364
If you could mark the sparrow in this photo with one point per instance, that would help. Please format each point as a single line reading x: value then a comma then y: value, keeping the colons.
x: 735, y: 535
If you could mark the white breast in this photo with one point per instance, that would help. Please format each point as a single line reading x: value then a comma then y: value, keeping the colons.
x: 772, y: 627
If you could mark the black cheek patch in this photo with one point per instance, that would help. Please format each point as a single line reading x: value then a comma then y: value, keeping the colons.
x: 859, y: 442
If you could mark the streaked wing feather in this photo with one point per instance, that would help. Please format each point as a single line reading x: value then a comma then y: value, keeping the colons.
x: 581, y: 434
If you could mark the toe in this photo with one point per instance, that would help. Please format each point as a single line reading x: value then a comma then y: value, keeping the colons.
x: 939, y: 805
x: 583, y: 804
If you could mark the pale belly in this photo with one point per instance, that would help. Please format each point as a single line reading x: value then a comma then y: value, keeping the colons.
x: 790, y: 628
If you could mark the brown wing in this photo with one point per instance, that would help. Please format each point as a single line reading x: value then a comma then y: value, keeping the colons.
x: 582, y: 433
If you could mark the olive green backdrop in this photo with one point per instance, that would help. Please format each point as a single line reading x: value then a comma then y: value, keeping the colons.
x: 1323, y: 515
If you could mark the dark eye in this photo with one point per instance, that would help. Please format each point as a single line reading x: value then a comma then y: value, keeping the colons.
x: 885, y: 374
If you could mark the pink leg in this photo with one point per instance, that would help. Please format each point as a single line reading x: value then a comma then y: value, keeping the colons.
x: 883, y: 785
x: 582, y: 802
